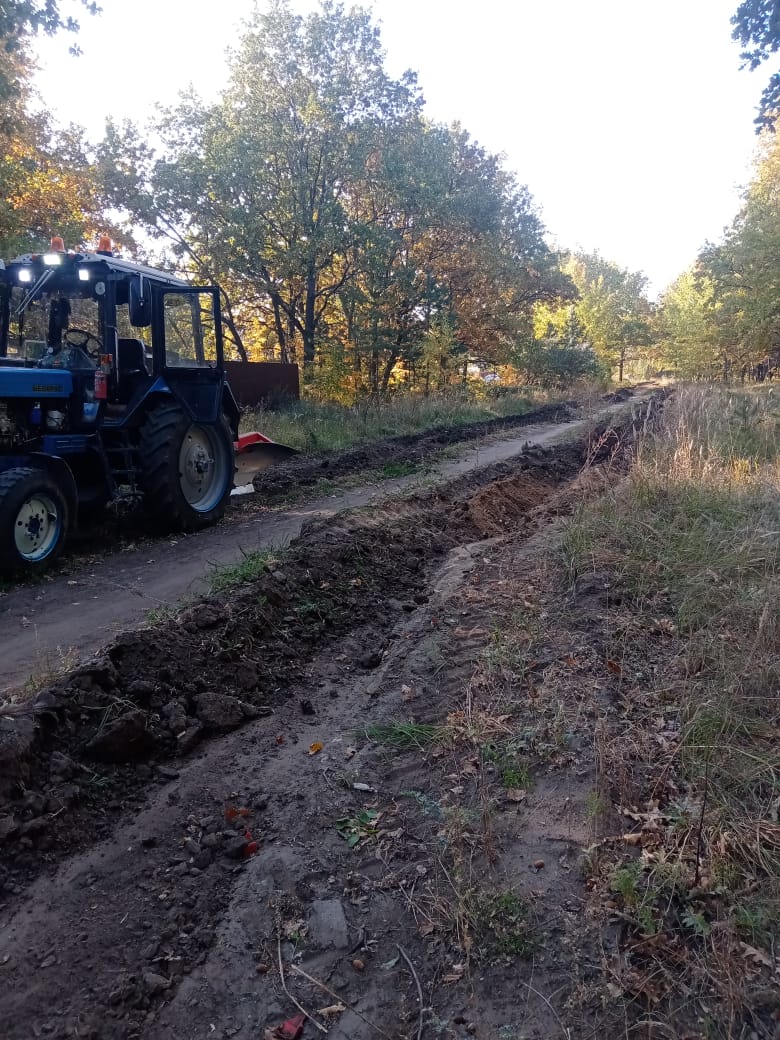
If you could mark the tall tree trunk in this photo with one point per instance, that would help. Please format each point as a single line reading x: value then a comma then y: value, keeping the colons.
x: 309, y: 319
x: 281, y: 335
x: 230, y: 324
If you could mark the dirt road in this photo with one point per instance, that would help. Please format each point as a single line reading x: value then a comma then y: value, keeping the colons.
x: 359, y: 786
x: 68, y: 617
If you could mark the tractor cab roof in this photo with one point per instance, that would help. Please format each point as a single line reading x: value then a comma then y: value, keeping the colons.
x: 63, y: 269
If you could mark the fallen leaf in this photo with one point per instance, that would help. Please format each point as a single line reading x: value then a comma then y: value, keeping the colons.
x: 614, y: 667
x: 332, y: 1010
x: 516, y: 794
x: 458, y: 970
x: 315, y: 748
x: 758, y: 955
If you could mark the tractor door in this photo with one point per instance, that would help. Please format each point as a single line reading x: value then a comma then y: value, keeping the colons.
x: 188, y: 349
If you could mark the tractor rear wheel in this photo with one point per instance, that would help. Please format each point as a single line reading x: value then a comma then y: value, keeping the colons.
x: 33, y: 520
x: 186, y: 468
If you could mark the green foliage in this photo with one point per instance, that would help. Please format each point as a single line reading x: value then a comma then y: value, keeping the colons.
x: 757, y: 29
x: 688, y: 335
x: 22, y: 19
x: 557, y: 364
x: 359, y: 829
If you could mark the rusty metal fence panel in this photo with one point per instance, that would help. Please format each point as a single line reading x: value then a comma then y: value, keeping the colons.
x: 263, y: 382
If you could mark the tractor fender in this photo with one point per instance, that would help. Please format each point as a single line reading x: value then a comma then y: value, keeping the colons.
x: 158, y: 391
x: 60, y: 471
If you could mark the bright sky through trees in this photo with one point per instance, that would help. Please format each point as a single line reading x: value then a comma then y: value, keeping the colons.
x: 630, y: 122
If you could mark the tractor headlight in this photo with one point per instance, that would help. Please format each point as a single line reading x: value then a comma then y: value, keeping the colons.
x: 25, y: 275
x: 52, y: 259
x: 83, y: 274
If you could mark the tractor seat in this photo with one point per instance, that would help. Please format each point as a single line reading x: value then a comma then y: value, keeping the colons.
x: 131, y: 370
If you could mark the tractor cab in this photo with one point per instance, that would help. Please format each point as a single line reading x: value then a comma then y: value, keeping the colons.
x: 120, y: 328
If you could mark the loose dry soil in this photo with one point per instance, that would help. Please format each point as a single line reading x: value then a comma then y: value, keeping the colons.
x: 362, y: 783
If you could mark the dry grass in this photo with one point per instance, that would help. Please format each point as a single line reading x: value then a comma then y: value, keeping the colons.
x: 689, y: 547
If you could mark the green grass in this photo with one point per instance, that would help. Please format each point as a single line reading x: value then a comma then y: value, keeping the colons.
x: 248, y: 569
x: 403, y: 736
x: 314, y: 428
x: 501, y: 925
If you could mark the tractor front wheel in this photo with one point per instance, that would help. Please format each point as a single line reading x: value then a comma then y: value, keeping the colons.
x: 33, y: 520
x: 186, y: 469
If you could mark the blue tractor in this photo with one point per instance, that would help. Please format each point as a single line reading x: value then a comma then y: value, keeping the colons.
x: 112, y: 394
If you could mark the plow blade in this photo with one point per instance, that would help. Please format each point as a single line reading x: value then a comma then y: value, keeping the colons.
x: 255, y: 453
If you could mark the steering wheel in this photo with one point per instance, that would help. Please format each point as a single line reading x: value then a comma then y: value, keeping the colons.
x: 81, y: 338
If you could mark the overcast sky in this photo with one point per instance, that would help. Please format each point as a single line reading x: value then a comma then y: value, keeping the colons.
x: 630, y: 121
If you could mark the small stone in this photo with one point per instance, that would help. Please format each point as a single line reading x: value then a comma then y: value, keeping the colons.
x: 47, y: 962
x: 35, y: 802
x: 307, y: 708
x: 122, y: 740
x: 155, y: 983
x: 202, y: 860
x: 358, y: 965
x: 538, y: 864
x: 370, y: 660
x: 235, y: 848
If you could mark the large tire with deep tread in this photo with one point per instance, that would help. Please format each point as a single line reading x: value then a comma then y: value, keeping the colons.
x: 186, y: 469
x: 33, y: 520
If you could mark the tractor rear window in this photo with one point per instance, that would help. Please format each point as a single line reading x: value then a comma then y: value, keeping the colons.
x: 190, y: 330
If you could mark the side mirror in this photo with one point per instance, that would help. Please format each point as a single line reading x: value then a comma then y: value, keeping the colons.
x: 140, y: 303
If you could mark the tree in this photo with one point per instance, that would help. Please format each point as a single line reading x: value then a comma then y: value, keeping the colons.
x: 757, y: 29
x: 688, y: 326
x: 258, y: 186
x: 344, y: 224
x: 46, y: 180
x: 743, y: 270
x: 612, y: 308
x: 20, y: 20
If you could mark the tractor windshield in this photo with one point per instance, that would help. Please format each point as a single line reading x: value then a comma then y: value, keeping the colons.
x: 41, y: 325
